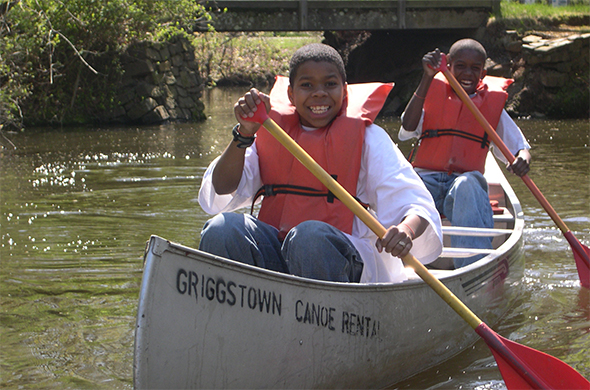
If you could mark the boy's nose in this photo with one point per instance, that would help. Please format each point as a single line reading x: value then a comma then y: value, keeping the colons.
x: 468, y: 71
x: 319, y: 91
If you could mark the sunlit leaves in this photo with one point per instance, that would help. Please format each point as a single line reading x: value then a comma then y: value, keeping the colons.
x: 46, y: 45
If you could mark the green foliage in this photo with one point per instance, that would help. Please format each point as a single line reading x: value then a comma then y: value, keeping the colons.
x: 58, y: 57
x: 543, y: 9
x: 247, y: 55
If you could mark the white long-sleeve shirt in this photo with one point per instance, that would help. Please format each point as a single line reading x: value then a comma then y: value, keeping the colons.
x: 507, y: 130
x: 387, y: 182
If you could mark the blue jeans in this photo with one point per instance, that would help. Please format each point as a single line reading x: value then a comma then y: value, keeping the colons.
x: 312, y: 249
x: 464, y: 200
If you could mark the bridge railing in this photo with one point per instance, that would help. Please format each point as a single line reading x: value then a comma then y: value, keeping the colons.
x: 321, y: 15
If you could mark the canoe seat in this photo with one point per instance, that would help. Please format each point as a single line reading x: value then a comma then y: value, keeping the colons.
x: 504, y: 216
x: 496, y: 208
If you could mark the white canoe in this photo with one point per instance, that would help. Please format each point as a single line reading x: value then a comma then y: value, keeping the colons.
x: 209, y: 322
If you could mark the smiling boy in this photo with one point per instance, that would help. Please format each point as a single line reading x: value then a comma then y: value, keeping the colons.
x: 301, y: 228
x: 452, y: 146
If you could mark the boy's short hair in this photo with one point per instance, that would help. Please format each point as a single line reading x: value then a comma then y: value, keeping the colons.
x: 467, y: 44
x: 318, y: 52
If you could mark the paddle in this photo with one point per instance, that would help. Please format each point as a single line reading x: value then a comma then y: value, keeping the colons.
x: 520, y: 366
x: 581, y: 252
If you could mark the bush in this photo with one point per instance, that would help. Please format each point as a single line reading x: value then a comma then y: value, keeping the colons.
x: 59, y: 59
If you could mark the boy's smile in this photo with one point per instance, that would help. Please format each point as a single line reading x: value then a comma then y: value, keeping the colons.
x: 317, y: 93
x: 468, y: 68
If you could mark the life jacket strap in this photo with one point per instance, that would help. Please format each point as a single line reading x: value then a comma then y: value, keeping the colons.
x: 275, y: 189
x: 483, y: 141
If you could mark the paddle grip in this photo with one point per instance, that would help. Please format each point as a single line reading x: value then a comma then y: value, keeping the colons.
x: 443, y: 62
x: 260, y: 115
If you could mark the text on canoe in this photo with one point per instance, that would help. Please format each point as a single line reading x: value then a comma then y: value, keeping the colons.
x: 236, y: 294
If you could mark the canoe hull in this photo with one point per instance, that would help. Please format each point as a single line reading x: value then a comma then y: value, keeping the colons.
x: 210, y: 322
x: 243, y: 327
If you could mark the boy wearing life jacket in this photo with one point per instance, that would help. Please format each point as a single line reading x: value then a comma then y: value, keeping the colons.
x: 301, y: 228
x: 453, y: 146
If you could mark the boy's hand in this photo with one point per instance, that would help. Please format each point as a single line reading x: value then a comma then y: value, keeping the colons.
x: 397, y: 241
x: 245, y: 108
x: 431, y: 62
x: 521, y: 164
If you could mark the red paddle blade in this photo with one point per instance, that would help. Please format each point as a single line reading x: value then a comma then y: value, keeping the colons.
x: 581, y: 255
x: 526, y: 368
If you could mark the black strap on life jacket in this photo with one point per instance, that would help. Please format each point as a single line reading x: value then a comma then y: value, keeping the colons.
x: 483, y: 141
x: 275, y: 189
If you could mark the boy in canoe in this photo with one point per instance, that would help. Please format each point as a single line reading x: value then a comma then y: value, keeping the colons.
x: 301, y: 228
x: 453, y: 146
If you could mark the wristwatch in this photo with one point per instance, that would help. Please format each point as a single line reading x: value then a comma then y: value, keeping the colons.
x: 244, y: 142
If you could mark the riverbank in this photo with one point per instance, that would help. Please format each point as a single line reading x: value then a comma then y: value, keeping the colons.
x: 549, y: 63
x: 147, y: 80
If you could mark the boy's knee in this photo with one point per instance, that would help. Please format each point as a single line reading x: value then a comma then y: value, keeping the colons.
x: 308, y: 230
x: 305, y: 236
x: 473, y: 179
x: 468, y: 185
x: 220, y: 225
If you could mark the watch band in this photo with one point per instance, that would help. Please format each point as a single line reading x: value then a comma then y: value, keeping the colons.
x: 244, y: 142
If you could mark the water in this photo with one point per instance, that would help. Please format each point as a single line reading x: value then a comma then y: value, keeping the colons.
x: 78, y: 205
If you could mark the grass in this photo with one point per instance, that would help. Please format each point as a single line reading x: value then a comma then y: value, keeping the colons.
x: 247, y: 56
x: 516, y: 10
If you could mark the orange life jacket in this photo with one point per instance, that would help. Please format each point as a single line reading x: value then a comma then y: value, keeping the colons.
x: 452, y: 140
x: 291, y: 193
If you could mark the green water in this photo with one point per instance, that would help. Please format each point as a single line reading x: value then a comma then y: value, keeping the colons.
x: 78, y: 205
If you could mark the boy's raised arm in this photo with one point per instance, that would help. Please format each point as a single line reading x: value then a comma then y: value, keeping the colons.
x: 228, y: 171
x: 413, y: 111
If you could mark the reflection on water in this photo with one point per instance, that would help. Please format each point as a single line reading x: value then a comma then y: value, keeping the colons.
x: 78, y: 205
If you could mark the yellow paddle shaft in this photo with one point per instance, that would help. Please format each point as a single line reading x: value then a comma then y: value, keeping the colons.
x: 300, y: 154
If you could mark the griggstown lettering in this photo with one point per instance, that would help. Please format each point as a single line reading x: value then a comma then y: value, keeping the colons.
x: 228, y: 292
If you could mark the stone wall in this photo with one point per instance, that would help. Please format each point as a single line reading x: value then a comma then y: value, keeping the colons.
x: 553, y: 73
x: 160, y: 83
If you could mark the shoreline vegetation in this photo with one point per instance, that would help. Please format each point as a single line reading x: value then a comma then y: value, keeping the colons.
x: 60, y: 74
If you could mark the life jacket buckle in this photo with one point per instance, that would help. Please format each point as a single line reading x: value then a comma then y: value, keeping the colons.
x: 269, y: 190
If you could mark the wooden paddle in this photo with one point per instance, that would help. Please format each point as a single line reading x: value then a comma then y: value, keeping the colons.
x: 520, y: 366
x: 581, y: 252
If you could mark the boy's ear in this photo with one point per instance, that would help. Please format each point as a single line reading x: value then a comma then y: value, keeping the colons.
x: 290, y: 94
x: 483, y: 73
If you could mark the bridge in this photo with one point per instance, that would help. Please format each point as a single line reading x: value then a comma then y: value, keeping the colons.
x: 337, y: 15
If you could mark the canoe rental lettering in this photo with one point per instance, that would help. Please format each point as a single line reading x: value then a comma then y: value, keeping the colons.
x: 200, y: 287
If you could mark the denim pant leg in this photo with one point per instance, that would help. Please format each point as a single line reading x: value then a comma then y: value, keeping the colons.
x: 317, y: 250
x: 467, y: 204
x: 438, y: 185
x: 243, y: 238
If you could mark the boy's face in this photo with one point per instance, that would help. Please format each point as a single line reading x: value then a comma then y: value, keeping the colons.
x: 468, y: 68
x: 317, y: 93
